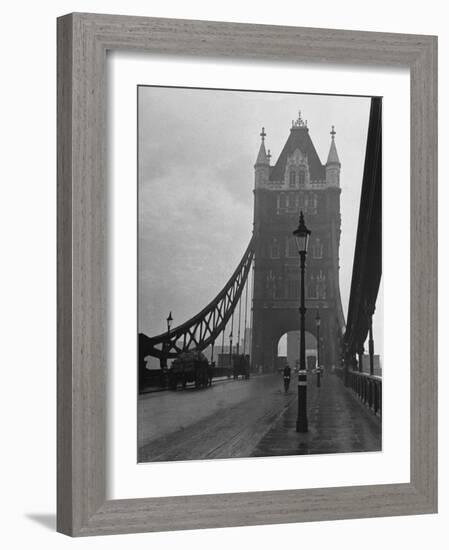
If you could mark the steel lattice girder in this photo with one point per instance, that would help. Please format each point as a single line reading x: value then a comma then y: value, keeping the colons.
x: 203, y: 329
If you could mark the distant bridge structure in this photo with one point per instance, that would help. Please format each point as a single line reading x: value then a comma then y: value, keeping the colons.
x: 203, y: 329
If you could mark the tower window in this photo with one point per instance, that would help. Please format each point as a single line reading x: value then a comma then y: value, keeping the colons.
x: 287, y: 202
x: 270, y: 284
x: 302, y: 177
x: 293, y: 289
x: 290, y: 248
x: 317, y: 249
x: 282, y: 201
x: 312, y: 288
x: 292, y: 181
x: 279, y: 287
x: 312, y: 204
x: 296, y: 201
x: 274, y: 249
x: 321, y: 285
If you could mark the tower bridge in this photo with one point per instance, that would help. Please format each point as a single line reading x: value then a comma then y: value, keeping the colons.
x: 298, y: 181
x: 261, y: 298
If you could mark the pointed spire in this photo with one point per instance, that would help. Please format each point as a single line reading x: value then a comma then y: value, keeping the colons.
x: 332, y: 158
x: 262, y: 157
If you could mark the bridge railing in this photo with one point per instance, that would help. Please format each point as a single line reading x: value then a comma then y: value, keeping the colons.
x: 368, y: 388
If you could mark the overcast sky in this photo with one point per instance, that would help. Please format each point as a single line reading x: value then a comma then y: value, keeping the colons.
x: 197, y: 150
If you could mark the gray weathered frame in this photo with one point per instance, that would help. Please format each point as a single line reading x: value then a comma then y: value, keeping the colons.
x: 83, y: 40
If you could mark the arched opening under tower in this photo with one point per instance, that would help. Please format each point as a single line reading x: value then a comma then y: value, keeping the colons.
x: 288, y: 350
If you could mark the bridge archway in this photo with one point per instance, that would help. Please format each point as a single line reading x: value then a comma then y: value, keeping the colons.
x: 273, y: 323
x: 288, y: 350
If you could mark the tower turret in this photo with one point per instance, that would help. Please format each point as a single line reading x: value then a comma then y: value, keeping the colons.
x: 333, y: 163
x: 262, y: 166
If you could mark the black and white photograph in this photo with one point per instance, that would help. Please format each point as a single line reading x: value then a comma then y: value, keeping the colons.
x: 259, y: 274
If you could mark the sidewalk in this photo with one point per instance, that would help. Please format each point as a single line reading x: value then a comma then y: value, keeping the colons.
x: 338, y: 423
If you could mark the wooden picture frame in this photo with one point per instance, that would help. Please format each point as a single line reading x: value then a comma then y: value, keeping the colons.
x: 83, y: 40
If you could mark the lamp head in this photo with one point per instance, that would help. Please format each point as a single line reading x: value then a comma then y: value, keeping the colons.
x: 169, y: 320
x: 302, y: 234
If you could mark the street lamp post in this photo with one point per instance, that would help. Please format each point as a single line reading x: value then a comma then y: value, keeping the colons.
x: 302, y: 238
x: 230, y: 349
x: 318, y: 370
x: 169, y: 320
x: 167, y: 341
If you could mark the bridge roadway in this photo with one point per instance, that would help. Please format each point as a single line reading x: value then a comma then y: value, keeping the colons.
x: 253, y: 418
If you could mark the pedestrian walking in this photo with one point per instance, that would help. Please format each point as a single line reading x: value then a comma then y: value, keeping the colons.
x: 287, y: 375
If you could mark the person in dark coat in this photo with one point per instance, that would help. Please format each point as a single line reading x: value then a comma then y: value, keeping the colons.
x: 287, y: 375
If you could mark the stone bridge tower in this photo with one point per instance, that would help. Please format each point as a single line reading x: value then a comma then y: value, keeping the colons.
x: 297, y: 181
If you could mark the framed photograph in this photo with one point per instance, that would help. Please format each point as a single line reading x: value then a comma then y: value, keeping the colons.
x: 247, y: 288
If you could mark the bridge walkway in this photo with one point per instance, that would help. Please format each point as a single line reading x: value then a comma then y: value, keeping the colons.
x: 338, y: 423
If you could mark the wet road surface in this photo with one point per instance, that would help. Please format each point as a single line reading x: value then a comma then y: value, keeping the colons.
x: 253, y: 418
x: 224, y: 421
